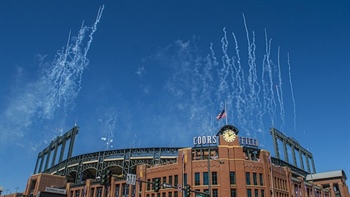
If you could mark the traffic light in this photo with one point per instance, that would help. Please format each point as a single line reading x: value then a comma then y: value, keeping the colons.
x: 156, y: 184
x: 109, y: 177
x: 188, y: 190
x: 104, y: 178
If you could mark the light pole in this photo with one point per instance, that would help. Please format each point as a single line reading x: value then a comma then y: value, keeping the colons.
x: 209, y: 177
x: 209, y: 172
x: 1, y: 189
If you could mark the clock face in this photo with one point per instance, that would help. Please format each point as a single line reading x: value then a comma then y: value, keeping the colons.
x: 229, y: 135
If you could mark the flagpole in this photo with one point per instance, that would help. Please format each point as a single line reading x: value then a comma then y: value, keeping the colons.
x: 183, y: 175
x: 273, y: 189
x: 226, y: 112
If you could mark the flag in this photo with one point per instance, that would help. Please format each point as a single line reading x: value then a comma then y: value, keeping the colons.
x: 222, y: 114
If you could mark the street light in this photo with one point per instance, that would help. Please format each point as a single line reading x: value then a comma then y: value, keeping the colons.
x: 1, y: 189
x: 209, y: 173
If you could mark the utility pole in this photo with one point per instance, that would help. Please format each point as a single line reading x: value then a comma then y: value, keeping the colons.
x: 209, y: 174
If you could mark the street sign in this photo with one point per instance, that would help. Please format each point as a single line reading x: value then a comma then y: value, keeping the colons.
x: 165, y: 185
x: 179, y: 187
x: 55, y: 190
x: 131, y: 179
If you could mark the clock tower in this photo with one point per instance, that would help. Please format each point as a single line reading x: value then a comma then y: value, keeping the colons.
x: 228, y: 136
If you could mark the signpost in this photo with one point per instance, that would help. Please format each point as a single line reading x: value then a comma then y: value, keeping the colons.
x: 131, y: 179
x: 165, y: 185
x: 179, y: 187
x: 55, y: 190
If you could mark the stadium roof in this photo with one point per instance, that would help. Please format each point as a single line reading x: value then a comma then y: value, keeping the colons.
x: 326, y: 175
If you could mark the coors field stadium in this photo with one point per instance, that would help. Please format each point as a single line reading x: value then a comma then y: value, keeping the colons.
x: 225, y: 164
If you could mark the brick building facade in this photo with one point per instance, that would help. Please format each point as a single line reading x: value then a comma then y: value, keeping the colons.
x: 222, y: 169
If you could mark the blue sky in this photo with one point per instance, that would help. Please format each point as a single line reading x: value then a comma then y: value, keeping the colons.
x: 156, y: 73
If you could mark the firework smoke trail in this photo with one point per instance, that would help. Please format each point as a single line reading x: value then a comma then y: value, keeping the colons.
x: 64, y: 76
x: 278, y: 96
x: 269, y: 98
x: 50, y: 94
x: 229, y: 64
x: 292, y: 92
x: 240, y: 96
x: 223, y: 72
x: 108, y: 128
x: 251, y: 100
x: 280, y: 90
x: 254, y: 86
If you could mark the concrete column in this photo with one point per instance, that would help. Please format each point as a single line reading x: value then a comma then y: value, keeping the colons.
x: 71, y: 144
x: 332, y: 189
x: 63, y: 146
x: 301, y: 159
x: 41, y: 163
x: 307, y: 163
x: 294, y: 158
x: 47, y: 158
x: 54, y: 154
x: 112, y: 187
x: 341, y: 189
x: 275, y: 143
x: 313, y: 165
x: 88, y: 187
x: 302, y: 185
x: 285, y: 152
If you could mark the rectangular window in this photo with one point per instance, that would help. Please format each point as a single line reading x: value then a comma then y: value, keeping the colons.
x: 77, y: 193
x: 256, y: 193
x: 140, y: 187
x: 261, y: 179
x: 93, y: 190
x: 117, y: 190
x: 214, y: 178
x: 205, y: 178
x: 163, y: 194
x: 148, y: 185
x: 262, y: 193
x: 176, y: 180
x: 206, y: 191
x: 99, y: 191
x: 215, y: 193
x: 233, y: 193
x: 185, y: 179
x: 170, y: 180
x: 232, y: 178
x: 247, y: 178
x: 170, y: 194
x: 249, y: 193
x: 125, y: 189
x: 158, y: 194
x: 164, y: 179
x: 32, y: 185
x: 196, y: 178
x: 175, y: 194
x: 255, y: 180
x: 153, y: 186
